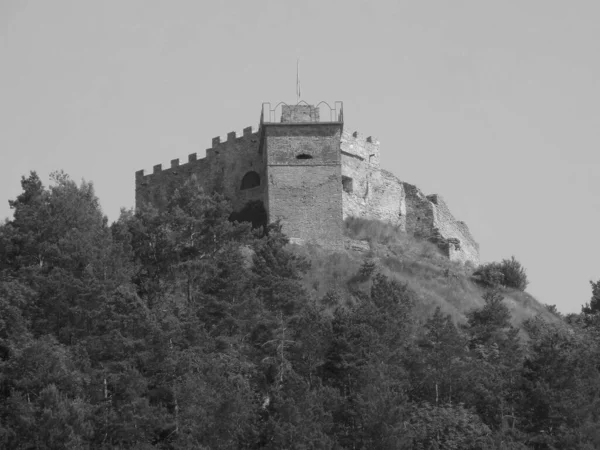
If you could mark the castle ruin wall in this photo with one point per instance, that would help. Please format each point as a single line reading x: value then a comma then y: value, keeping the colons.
x: 466, y: 249
x: 311, y: 175
x: 221, y: 170
x: 368, y: 191
x: 420, y: 216
x: 430, y: 218
x: 365, y: 148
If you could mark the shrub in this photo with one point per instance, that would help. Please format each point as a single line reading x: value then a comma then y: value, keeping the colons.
x: 552, y: 309
x: 514, y: 274
x: 366, y: 269
x: 509, y: 273
x: 593, y: 306
x: 490, y: 274
x: 372, y: 230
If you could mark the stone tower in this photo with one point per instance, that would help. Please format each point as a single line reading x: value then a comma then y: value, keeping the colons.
x: 304, y: 174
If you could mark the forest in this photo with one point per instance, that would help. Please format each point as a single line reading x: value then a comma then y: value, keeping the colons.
x: 183, y: 329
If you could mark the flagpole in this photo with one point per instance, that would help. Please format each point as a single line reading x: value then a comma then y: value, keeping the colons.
x: 298, y: 80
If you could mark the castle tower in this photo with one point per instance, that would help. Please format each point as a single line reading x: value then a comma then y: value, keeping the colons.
x: 304, y: 173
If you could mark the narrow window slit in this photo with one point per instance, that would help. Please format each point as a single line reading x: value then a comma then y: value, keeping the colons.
x: 347, y: 184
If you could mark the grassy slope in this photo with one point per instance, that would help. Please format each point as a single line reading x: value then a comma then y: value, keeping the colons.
x: 437, y: 281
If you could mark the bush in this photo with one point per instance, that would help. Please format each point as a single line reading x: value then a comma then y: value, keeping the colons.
x: 373, y: 230
x: 508, y: 273
x: 490, y: 275
x: 514, y: 274
x: 366, y: 269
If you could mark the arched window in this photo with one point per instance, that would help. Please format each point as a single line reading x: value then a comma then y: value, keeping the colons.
x: 250, y: 180
x: 303, y: 156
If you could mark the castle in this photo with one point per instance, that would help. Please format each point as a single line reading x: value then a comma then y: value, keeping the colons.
x: 311, y: 174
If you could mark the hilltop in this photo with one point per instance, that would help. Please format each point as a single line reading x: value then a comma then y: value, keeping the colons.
x: 436, y: 280
x: 303, y: 169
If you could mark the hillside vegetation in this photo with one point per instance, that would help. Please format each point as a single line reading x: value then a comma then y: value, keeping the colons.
x: 435, y: 280
x: 180, y: 329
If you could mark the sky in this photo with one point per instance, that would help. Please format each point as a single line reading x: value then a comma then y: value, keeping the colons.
x: 494, y: 105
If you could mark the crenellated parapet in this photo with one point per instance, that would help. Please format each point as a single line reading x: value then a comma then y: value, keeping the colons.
x: 368, y: 191
x: 364, y: 148
x: 248, y: 134
x: 221, y: 169
x: 231, y: 137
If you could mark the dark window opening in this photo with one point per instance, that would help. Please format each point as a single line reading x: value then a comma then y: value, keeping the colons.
x: 250, y: 180
x: 347, y: 184
x: 253, y: 212
x: 303, y: 156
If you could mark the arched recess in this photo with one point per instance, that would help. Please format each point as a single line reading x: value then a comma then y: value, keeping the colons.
x: 250, y: 180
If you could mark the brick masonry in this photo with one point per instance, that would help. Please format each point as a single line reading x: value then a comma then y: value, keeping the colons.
x: 312, y: 175
x: 221, y: 170
x: 304, y: 179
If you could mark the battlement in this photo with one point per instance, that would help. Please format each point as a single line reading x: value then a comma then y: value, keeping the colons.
x: 157, y: 169
x: 232, y: 136
x: 364, y: 148
x: 248, y: 133
x: 222, y: 169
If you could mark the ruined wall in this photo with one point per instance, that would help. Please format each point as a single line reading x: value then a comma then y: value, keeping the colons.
x: 429, y: 217
x: 222, y: 170
x: 305, y: 193
x: 466, y: 249
x: 368, y: 191
x: 420, y: 216
x: 360, y: 146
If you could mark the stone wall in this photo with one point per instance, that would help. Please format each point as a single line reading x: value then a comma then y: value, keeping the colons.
x: 304, y: 181
x: 368, y: 191
x: 365, y: 148
x: 221, y: 170
x: 420, y: 215
x: 302, y: 144
x: 455, y: 232
x: 308, y: 202
x: 430, y: 218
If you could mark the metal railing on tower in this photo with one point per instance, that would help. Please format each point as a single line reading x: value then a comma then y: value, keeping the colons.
x: 323, y: 112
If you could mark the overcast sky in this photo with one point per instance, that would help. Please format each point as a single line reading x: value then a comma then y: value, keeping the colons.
x: 495, y: 105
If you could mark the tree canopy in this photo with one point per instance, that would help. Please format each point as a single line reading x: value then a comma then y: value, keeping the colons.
x: 186, y: 329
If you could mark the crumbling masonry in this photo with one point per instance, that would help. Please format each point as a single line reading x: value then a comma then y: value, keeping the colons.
x: 311, y: 174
